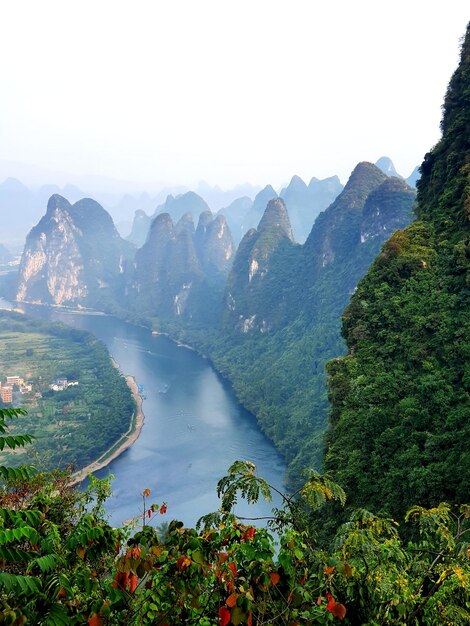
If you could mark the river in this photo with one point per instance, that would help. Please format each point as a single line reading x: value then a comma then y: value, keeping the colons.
x: 194, y: 427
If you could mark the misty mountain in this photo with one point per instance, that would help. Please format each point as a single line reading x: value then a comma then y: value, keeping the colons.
x: 245, y: 304
x: 177, y: 206
x: 73, y: 256
x: 413, y: 178
x: 242, y: 215
x: 5, y: 255
x: 282, y: 307
x: 386, y: 165
x: 140, y: 228
x: 180, y: 271
x: 304, y: 203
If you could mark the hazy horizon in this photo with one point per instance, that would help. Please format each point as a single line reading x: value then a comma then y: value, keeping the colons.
x: 228, y: 93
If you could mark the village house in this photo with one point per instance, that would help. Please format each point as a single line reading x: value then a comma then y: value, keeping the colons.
x: 62, y: 383
x: 15, y: 380
x: 7, y: 393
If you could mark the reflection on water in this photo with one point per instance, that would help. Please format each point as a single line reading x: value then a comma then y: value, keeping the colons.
x: 194, y: 427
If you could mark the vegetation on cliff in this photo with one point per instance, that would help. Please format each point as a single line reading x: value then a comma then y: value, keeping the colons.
x: 400, y: 428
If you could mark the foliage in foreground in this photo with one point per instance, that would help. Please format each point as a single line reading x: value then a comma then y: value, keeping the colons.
x: 62, y: 563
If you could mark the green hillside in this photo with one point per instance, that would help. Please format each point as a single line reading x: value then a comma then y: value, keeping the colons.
x: 400, y: 422
x: 71, y: 426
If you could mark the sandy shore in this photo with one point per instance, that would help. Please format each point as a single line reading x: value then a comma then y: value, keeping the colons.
x: 125, y: 442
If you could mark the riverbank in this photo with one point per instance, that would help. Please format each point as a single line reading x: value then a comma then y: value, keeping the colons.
x: 129, y: 438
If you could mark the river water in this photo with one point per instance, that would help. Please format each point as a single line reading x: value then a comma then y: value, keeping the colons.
x: 194, y: 427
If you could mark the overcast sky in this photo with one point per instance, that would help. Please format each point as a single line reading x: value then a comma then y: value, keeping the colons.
x: 226, y: 91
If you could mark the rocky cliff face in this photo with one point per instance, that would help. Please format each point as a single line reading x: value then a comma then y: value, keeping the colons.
x: 337, y: 230
x: 73, y: 256
x: 343, y: 241
x: 246, y: 305
x: 179, y: 270
x: 386, y: 209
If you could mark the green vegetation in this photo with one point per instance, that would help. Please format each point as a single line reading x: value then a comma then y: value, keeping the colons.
x: 63, y: 564
x: 279, y: 374
x: 74, y: 426
x: 400, y: 428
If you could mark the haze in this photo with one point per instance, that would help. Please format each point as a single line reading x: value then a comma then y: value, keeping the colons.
x: 228, y: 92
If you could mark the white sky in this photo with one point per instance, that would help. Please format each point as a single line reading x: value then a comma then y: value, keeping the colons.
x: 225, y: 91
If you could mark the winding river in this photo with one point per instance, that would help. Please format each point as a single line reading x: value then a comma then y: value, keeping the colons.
x: 194, y: 427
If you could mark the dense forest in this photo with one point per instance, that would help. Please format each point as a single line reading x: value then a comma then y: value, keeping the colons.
x: 73, y: 426
x: 400, y: 427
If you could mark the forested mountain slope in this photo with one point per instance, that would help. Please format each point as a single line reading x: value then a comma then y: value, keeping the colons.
x: 400, y: 421
x: 283, y: 304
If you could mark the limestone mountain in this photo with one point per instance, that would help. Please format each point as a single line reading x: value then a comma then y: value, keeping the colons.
x: 282, y: 308
x: 385, y: 164
x: 244, y: 213
x: 140, y: 228
x: 235, y: 214
x: 244, y: 302
x: 73, y: 256
x: 180, y: 271
x: 323, y: 192
x: 304, y: 203
x: 256, y: 211
x: 413, y: 178
x: 21, y: 207
x: 177, y: 206
x: 400, y: 428
x: 214, y: 246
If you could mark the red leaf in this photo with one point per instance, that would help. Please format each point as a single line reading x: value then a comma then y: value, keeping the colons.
x: 339, y: 611
x: 163, y: 509
x: 232, y: 600
x: 233, y: 569
x: 81, y: 552
x: 149, y: 513
x: 133, y: 553
x: 95, y: 620
x: 146, y: 493
x: 224, y: 616
x: 222, y: 557
x: 120, y: 580
x: 331, y: 603
x: 274, y: 576
x: 249, y: 534
x: 249, y: 620
x: 329, y: 570
x: 183, y: 563
x: 133, y: 582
